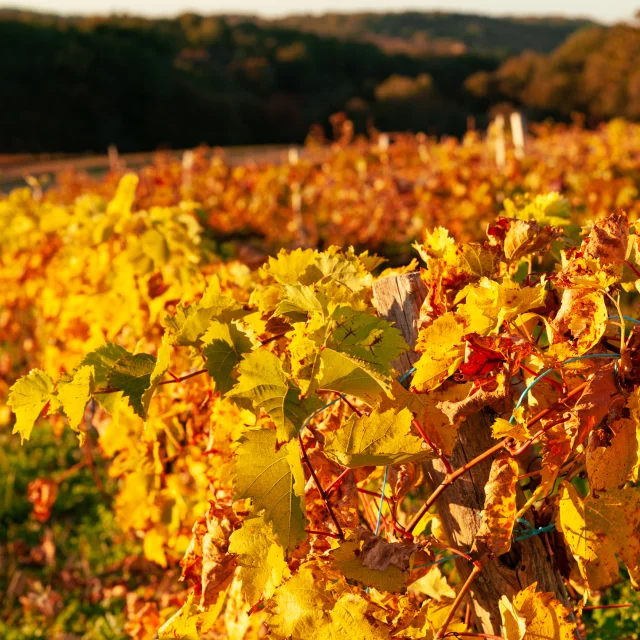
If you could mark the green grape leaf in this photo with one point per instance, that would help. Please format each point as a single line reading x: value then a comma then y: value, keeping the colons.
x: 260, y: 558
x: 358, y: 354
x: 274, y: 480
x: 75, y: 393
x: 377, y: 439
x: 366, y: 339
x: 224, y: 347
x: 263, y: 381
x: 132, y: 376
x: 102, y: 361
x: 342, y: 374
x: 28, y: 397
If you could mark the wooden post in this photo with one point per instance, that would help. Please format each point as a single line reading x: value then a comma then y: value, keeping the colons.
x: 398, y: 300
x: 114, y: 159
x: 188, y: 158
x: 501, y: 150
x: 517, y: 133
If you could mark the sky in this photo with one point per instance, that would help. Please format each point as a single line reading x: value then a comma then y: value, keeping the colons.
x: 607, y: 11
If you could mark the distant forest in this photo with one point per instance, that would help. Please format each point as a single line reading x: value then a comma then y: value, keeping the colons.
x: 81, y: 84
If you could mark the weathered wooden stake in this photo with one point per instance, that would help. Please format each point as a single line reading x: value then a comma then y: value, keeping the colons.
x: 398, y: 300
x: 517, y: 134
x: 501, y: 149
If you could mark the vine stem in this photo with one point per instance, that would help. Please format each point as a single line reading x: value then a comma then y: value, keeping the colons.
x: 593, y: 607
x: 336, y: 482
x: 321, y: 491
x: 427, y: 439
x: 469, y: 634
x: 183, y: 378
x: 70, y: 471
x: 477, y: 568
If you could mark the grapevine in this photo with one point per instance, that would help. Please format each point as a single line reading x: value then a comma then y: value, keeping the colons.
x: 267, y: 439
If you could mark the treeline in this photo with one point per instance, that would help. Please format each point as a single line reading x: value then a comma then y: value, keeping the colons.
x: 81, y: 84
x: 595, y: 73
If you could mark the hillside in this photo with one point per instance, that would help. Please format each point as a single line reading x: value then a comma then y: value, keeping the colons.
x: 437, y: 32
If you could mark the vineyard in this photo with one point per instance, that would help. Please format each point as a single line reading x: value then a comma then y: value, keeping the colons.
x: 384, y: 389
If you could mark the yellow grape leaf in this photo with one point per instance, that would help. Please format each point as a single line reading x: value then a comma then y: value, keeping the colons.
x: 299, y: 300
x: 191, y: 622
x: 532, y: 615
x: 549, y: 209
x: 611, y: 466
x: 124, y: 197
x: 488, y: 304
x: 288, y: 266
x: 304, y: 348
x: 429, y: 621
x: 75, y: 393
x: 433, y: 585
x: 28, y: 397
x: 424, y: 406
x: 348, y: 621
x: 377, y: 439
x: 596, y: 529
x: 274, y: 480
x: 301, y: 604
x: 334, y: 267
x: 499, y: 513
x: 373, y: 562
x: 189, y: 323
x: 526, y: 238
x: 263, y: 381
x: 132, y: 376
x: 579, y: 324
x: 153, y: 547
x: 476, y: 260
x: 502, y: 428
x: 224, y: 346
x: 442, y: 347
x: 260, y: 558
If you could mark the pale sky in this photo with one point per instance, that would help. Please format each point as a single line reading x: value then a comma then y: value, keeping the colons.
x: 607, y: 11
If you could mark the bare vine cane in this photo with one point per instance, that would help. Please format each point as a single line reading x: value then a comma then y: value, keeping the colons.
x: 398, y: 300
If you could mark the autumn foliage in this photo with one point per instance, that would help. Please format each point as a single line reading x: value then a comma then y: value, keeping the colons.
x: 265, y: 439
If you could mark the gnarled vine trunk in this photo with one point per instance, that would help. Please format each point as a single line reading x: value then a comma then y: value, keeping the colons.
x: 398, y: 299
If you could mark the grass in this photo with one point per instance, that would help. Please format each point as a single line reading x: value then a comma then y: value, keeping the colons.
x: 69, y: 594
